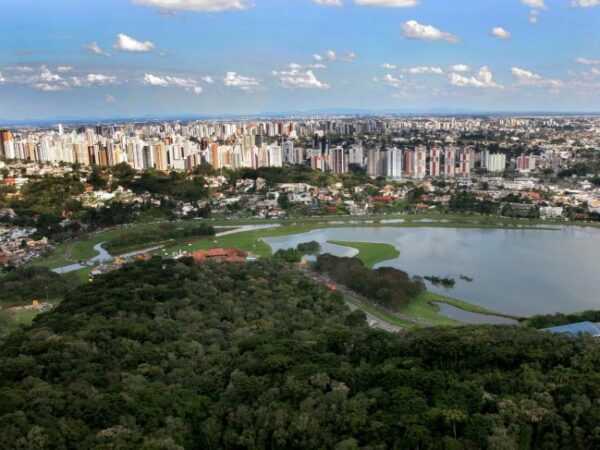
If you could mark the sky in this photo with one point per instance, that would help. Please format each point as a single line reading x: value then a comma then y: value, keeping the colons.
x: 152, y: 58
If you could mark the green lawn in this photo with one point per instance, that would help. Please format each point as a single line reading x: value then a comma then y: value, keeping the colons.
x: 422, y: 308
x: 371, y: 253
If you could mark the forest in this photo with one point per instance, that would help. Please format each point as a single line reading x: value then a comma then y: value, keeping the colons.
x: 389, y: 287
x: 166, y: 354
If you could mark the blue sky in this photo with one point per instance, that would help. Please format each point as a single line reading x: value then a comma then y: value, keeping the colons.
x: 102, y: 58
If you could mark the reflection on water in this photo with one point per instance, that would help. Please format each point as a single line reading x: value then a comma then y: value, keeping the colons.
x: 519, y: 272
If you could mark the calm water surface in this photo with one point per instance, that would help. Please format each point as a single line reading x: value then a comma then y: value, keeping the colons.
x: 520, y: 272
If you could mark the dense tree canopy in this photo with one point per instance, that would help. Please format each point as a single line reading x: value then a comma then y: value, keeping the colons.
x: 166, y: 354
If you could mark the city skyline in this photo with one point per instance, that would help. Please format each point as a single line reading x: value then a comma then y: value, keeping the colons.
x: 68, y: 59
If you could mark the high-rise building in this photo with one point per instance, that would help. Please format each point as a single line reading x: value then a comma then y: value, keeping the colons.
x: 339, y: 160
x: 435, y: 156
x: 496, y: 162
x: 449, y: 161
x: 464, y: 163
x: 375, y: 163
x: 408, y: 162
x: 420, y: 162
x: 394, y: 163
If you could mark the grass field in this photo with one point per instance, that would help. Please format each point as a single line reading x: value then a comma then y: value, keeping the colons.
x: 371, y: 253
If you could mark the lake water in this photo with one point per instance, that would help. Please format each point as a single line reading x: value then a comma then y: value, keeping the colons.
x: 519, y: 272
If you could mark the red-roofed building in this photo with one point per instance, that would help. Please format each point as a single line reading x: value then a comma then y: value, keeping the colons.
x: 220, y: 255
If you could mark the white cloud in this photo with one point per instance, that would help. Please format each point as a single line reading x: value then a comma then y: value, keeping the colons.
x: 533, y: 16
x: 483, y: 79
x: 96, y: 79
x: 153, y: 80
x: 459, y: 68
x: 64, y: 68
x: 208, y: 79
x: 587, y: 62
x: 24, y: 68
x: 296, y: 78
x: 537, y: 4
x: 414, y: 30
x: 528, y: 78
x: 328, y: 2
x: 350, y: 56
x: 500, y: 33
x: 584, y: 3
x: 317, y: 57
x: 2, y: 79
x: 393, y: 81
x: 421, y: 70
x: 294, y: 66
x: 189, y: 84
x: 388, y: 66
x: 388, y: 3
x: 330, y: 55
x: 110, y: 98
x: 233, y: 79
x: 95, y: 49
x: 128, y: 44
x: 195, y: 5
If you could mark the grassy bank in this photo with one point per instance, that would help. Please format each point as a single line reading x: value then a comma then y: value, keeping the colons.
x: 371, y: 253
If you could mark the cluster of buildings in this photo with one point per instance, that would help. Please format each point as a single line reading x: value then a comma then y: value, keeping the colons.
x: 17, y: 246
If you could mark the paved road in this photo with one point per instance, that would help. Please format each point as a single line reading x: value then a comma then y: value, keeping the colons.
x: 376, y: 322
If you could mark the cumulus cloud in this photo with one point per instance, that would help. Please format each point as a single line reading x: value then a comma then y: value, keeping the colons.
x: 2, y: 79
x: 482, y: 79
x: 537, y: 4
x: 500, y: 33
x: 153, y: 80
x: 414, y: 30
x: 331, y: 56
x: 533, y: 15
x: 64, y: 68
x: 587, y: 62
x: 94, y: 79
x: 388, y: 3
x: 189, y: 84
x: 24, y: 69
x: 528, y: 78
x: 459, y: 68
x: 584, y: 3
x: 297, y: 78
x: 195, y: 5
x: 110, y: 98
x: 421, y: 70
x: 95, y: 49
x: 388, y: 66
x: 328, y: 2
x: 233, y: 79
x: 393, y: 81
x: 208, y: 79
x: 128, y: 44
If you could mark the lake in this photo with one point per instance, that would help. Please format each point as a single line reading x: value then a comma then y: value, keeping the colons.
x: 518, y: 272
